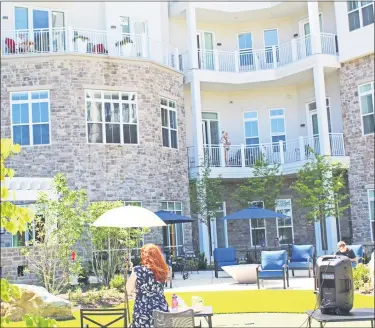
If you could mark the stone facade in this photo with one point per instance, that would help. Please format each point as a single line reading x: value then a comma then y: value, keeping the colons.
x: 359, y: 147
x: 146, y: 172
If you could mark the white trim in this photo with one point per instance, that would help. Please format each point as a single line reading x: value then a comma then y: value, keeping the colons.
x: 370, y: 92
x: 203, y: 49
x: 244, y: 120
x: 169, y: 109
x: 359, y: 8
x: 209, y: 120
x: 103, y: 122
x: 264, y: 40
x: 369, y: 199
x: 291, y: 220
x: 31, y: 124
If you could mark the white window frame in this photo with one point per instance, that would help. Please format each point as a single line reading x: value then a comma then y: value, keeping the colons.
x: 252, y: 203
x: 277, y: 117
x: 250, y: 120
x: 168, y: 226
x: 371, y: 92
x: 169, y: 109
x: 29, y: 102
x: 214, y: 225
x: 131, y: 202
x: 291, y: 219
x: 308, y: 115
x: 103, y: 123
x: 121, y: 25
x: 369, y: 199
x: 359, y: 8
x: 266, y: 48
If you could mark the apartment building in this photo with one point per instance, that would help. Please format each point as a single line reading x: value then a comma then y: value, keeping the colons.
x: 92, y: 90
x: 271, y: 75
x: 133, y: 97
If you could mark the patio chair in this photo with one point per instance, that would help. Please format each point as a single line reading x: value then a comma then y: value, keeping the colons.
x: 115, y: 315
x: 359, y: 253
x: 223, y: 257
x: 10, y: 45
x: 273, y: 267
x: 99, y: 49
x: 183, y: 319
x: 302, y: 258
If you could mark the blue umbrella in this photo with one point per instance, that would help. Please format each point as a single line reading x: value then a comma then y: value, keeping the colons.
x: 254, y: 212
x: 170, y: 217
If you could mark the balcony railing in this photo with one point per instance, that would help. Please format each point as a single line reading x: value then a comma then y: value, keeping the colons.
x: 290, y: 151
x: 263, y: 59
x: 73, y: 40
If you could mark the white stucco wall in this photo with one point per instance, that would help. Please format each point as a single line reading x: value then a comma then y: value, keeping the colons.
x: 292, y: 98
x: 352, y: 44
x: 226, y: 32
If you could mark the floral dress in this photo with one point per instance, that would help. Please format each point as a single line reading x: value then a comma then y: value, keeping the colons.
x: 149, y: 297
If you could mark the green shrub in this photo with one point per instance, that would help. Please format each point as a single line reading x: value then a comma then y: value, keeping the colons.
x: 117, y: 282
x: 202, y: 261
x: 361, y: 276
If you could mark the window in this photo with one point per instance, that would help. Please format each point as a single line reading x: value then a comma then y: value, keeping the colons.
x: 371, y: 205
x: 30, y: 118
x: 219, y: 228
x: 173, y: 234
x: 258, y: 227
x: 21, y: 18
x: 169, y: 122
x: 245, y: 46
x: 271, y: 38
x: 125, y: 24
x: 366, y: 103
x: 251, y: 128
x: 285, y: 226
x: 21, y: 270
x: 277, y: 125
x: 112, y: 117
x: 360, y: 14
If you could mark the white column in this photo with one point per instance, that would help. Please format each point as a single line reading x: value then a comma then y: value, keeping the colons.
x: 320, y: 98
x: 176, y: 59
x: 243, y: 162
x: 195, y: 90
x: 281, y: 147
x: 144, y: 45
x: 70, y: 43
x: 316, y: 45
x: 294, y: 50
x: 192, y: 36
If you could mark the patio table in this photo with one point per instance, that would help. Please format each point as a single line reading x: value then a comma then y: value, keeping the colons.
x: 205, y: 312
x: 242, y: 273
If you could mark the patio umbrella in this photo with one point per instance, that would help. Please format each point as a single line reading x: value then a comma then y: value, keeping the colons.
x: 253, y: 212
x: 170, y: 217
x: 128, y: 217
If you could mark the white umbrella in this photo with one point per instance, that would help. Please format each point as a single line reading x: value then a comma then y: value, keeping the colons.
x: 129, y: 217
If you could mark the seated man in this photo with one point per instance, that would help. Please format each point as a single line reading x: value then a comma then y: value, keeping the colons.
x: 345, y: 251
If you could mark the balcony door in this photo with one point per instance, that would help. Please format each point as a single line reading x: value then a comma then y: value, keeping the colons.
x: 205, y: 46
x: 305, y: 32
x: 313, y: 125
x: 245, y: 50
x: 211, y: 137
x: 219, y: 230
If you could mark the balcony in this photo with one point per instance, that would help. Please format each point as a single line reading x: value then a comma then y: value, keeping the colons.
x: 291, y: 155
x: 95, y: 42
x: 260, y: 60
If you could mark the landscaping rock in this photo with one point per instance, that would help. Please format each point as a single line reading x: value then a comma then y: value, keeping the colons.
x: 37, y: 300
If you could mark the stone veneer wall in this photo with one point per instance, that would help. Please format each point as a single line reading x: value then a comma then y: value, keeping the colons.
x: 360, y: 148
x: 146, y: 172
x: 304, y: 232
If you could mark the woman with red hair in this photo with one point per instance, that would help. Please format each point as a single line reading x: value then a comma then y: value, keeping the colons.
x: 147, y: 282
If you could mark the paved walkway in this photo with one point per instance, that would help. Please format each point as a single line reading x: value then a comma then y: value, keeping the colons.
x: 270, y: 320
x: 206, y: 281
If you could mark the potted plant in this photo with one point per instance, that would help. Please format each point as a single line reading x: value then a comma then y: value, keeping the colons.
x: 125, y: 46
x: 81, y: 42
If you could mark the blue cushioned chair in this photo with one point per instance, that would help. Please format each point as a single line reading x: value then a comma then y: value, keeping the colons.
x: 223, y: 257
x: 359, y: 253
x: 273, y: 267
x: 302, y: 258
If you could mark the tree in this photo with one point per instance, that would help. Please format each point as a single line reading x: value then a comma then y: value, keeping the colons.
x: 265, y: 185
x: 110, y: 245
x: 206, y: 195
x: 59, y: 226
x: 321, y: 190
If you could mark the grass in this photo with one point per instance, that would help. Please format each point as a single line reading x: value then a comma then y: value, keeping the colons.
x: 241, y: 301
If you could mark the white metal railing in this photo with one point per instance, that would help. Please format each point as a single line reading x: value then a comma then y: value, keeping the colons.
x: 328, y: 44
x: 68, y: 39
x: 263, y: 59
x: 273, y: 153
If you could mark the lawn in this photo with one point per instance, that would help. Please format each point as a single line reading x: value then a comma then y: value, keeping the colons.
x: 244, y: 301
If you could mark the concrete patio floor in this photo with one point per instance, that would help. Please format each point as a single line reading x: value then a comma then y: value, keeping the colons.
x: 271, y: 320
x: 206, y: 281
